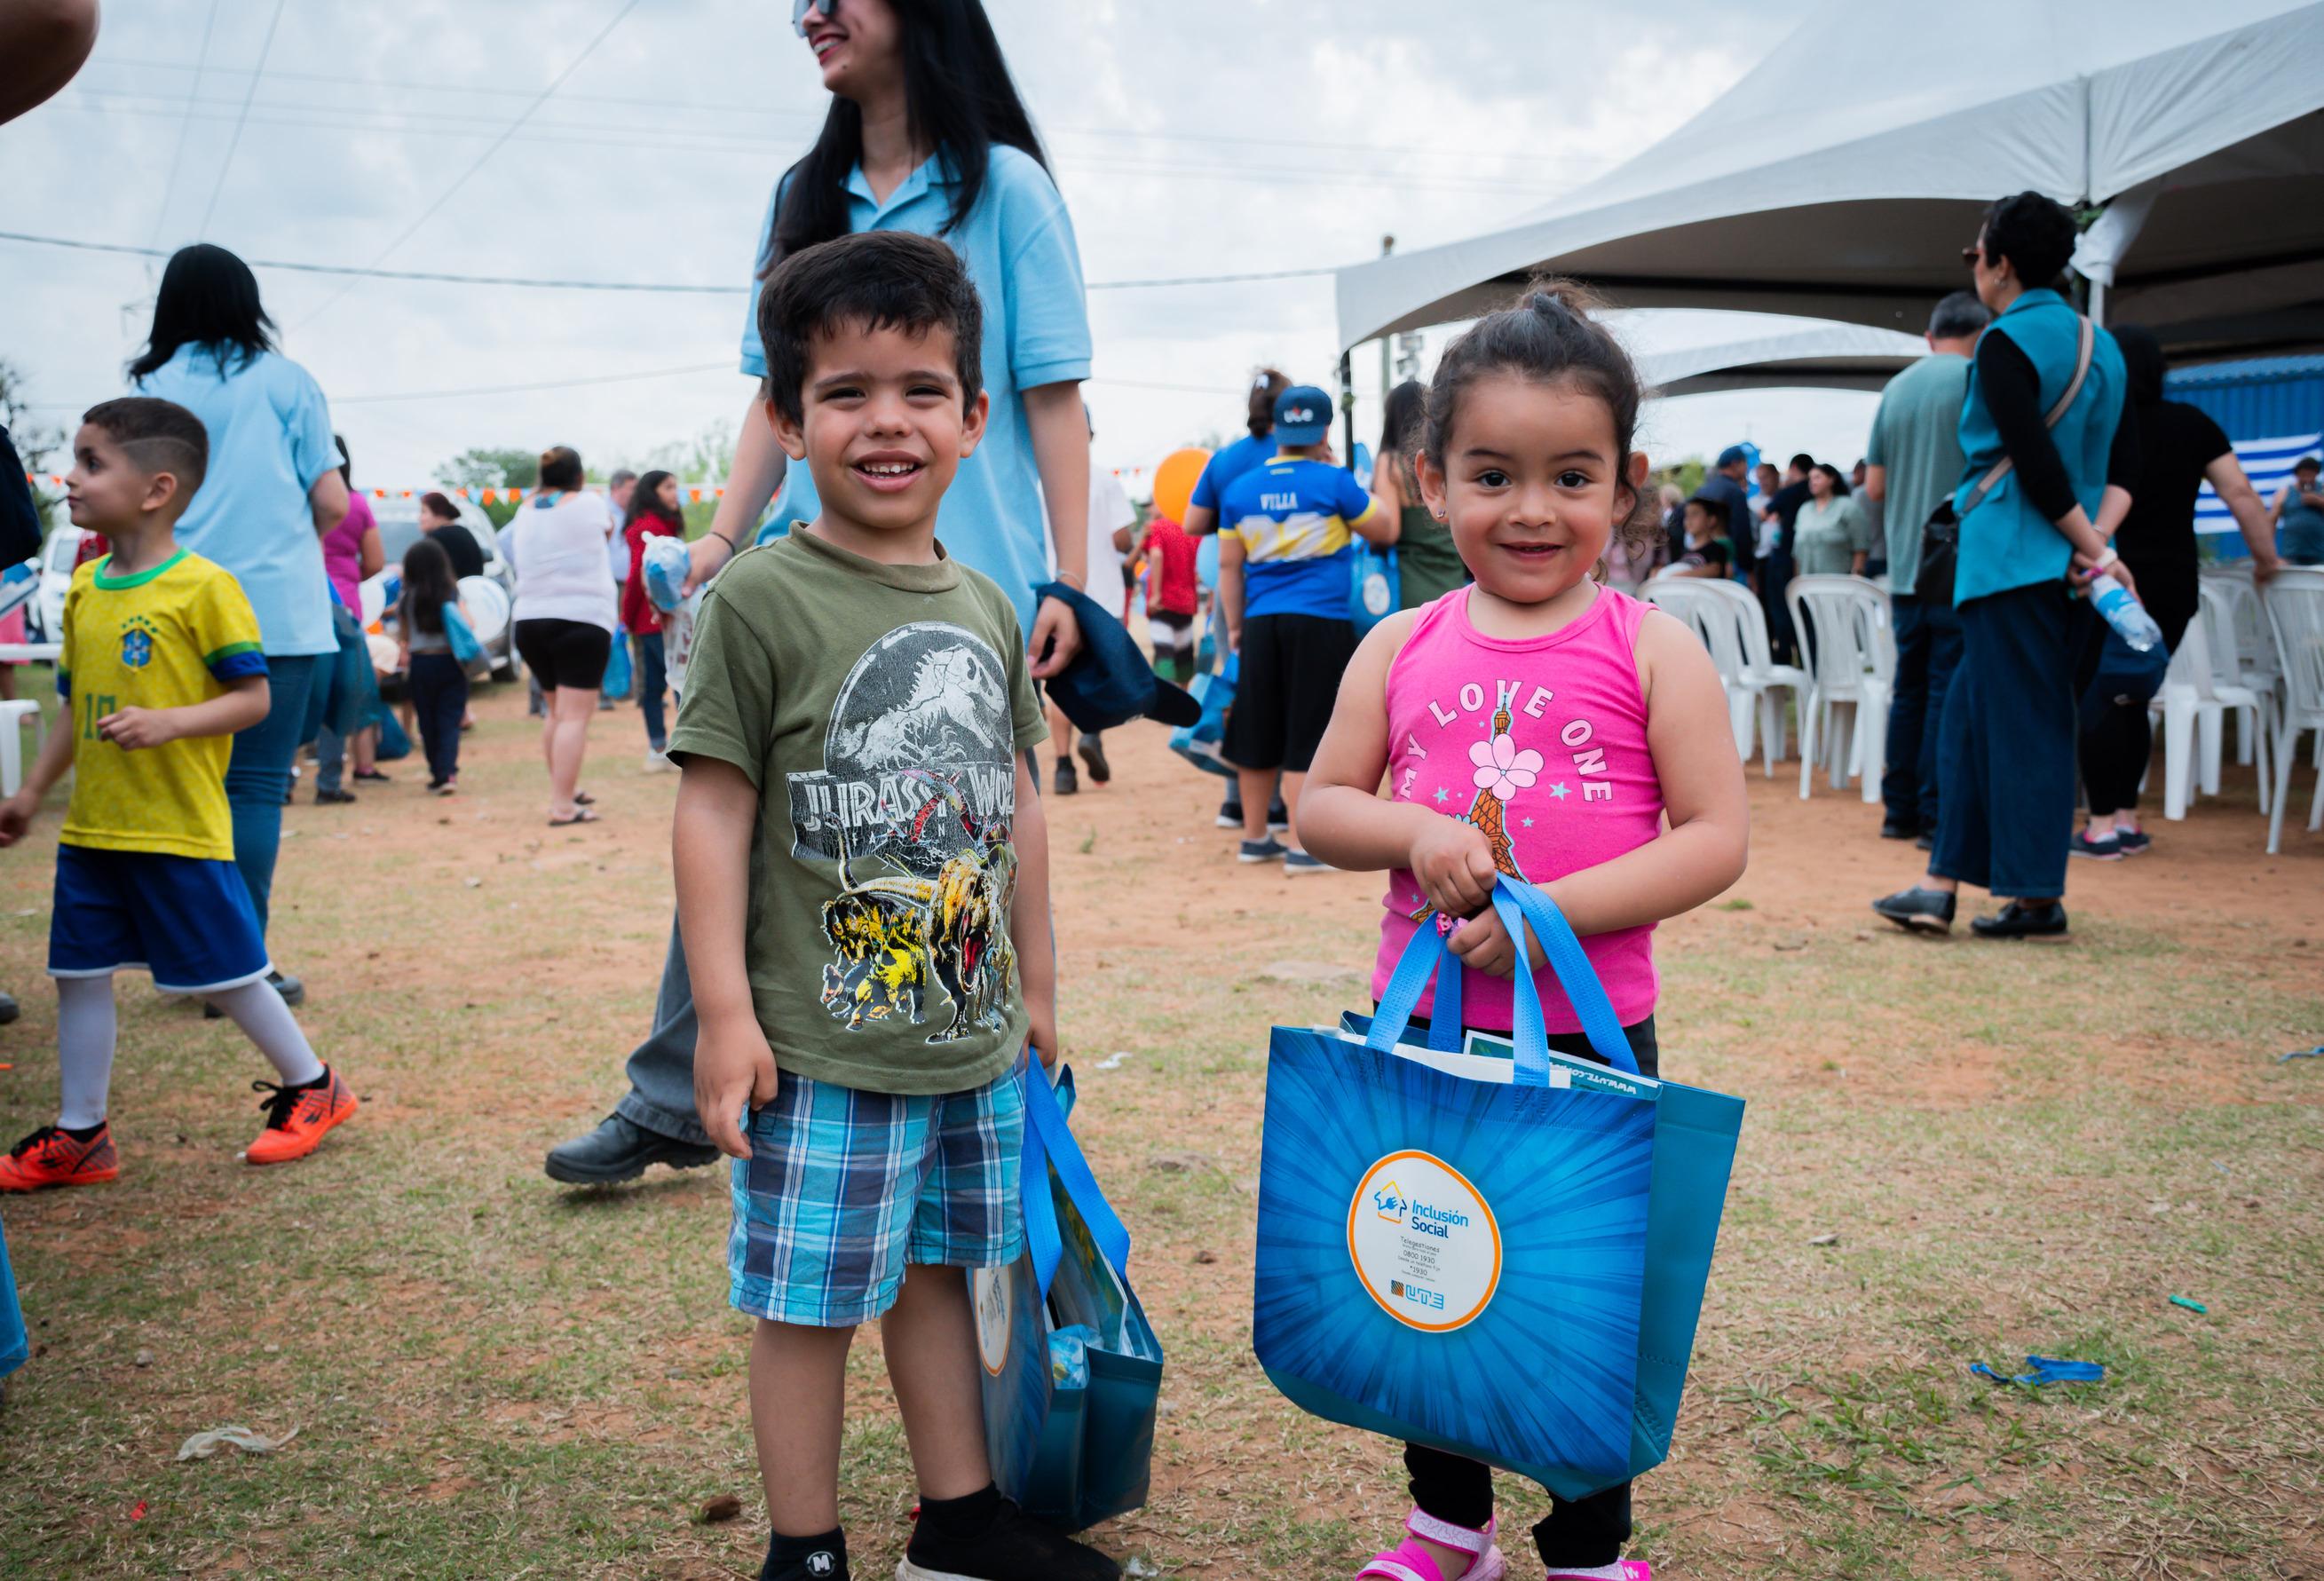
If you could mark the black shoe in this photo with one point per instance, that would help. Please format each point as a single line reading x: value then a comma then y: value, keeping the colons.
x: 823, y: 1560
x: 1893, y: 830
x: 2023, y: 919
x: 1918, y: 909
x: 620, y: 1148
x: 335, y: 798
x: 1014, y: 1548
x: 1230, y: 814
x: 1066, y: 783
x: 2134, y: 842
x: 373, y: 777
x: 9, y: 1009
x: 1279, y: 817
x: 1093, y: 754
x: 1928, y: 840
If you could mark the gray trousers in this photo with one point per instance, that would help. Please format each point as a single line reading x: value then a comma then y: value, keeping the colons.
x: 661, y: 1068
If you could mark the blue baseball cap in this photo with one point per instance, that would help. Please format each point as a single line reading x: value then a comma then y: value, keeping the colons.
x: 1730, y: 456
x: 1303, y: 416
x: 1109, y: 682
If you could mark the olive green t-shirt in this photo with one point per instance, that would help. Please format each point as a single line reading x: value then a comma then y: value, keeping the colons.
x: 879, y: 711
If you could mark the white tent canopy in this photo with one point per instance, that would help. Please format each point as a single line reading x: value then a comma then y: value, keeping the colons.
x: 1829, y: 357
x: 1841, y: 178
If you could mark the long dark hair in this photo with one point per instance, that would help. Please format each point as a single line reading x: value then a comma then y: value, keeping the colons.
x: 1404, y: 420
x: 208, y: 298
x: 429, y: 586
x: 645, y: 500
x: 960, y: 101
x: 1839, y: 489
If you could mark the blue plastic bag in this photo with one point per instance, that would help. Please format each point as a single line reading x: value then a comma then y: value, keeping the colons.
x: 1199, y: 742
x: 616, y: 684
x: 1378, y: 588
x: 1500, y: 1256
x: 1073, y: 1445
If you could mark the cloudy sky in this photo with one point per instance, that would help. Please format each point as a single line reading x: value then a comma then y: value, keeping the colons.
x: 1196, y: 137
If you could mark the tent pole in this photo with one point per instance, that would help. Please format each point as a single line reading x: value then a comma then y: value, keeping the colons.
x: 1348, y: 410
x: 2097, y: 302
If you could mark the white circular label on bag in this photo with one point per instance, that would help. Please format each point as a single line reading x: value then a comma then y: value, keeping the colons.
x: 1423, y: 1242
x: 989, y: 1293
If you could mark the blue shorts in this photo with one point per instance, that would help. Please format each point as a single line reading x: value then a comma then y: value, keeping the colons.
x: 844, y: 1188
x: 186, y: 919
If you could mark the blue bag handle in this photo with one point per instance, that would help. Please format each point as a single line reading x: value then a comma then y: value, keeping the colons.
x: 1517, y: 905
x: 1049, y: 1143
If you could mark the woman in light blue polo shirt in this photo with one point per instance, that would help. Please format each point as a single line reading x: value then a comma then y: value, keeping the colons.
x: 925, y: 132
x: 273, y: 491
x: 2005, y: 759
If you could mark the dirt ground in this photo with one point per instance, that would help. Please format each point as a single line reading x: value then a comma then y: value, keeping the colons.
x: 1954, y: 1151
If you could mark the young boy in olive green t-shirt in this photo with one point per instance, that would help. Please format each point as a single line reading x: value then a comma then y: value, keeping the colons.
x: 862, y: 888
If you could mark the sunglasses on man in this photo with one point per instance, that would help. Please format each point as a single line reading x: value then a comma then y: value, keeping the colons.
x: 802, y: 9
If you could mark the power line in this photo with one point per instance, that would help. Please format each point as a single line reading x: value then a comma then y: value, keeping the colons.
x: 240, y: 120
x: 663, y: 288
x: 540, y: 384
x: 161, y: 211
x: 539, y: 99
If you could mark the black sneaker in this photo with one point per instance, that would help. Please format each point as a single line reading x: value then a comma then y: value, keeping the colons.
x: 620, y: 1148
x: 2133, y: 842
x: 1891, y: 829
x: 1267, y: 850
x: 1928, y: 840
x: 1230, y: 814
x: 335, y: 798
x: 1093, y: 755
x: 1067, y: 782
x: 373, y: 777
x: 1918, y: 910
x: 2023, y: 919
x: 2108, y: 849
x: 1014, y: 1548
x: 1279, y: 817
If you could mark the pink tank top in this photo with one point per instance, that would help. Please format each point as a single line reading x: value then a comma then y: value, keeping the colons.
x: 1542, y: 744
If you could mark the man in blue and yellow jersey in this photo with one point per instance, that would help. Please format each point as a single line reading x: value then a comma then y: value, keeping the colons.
x: 1285, y: 574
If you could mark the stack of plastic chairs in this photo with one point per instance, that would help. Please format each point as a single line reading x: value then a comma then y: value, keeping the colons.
x: 1759, y: 678
x: 2294, y: 603
x: 1843, y: 627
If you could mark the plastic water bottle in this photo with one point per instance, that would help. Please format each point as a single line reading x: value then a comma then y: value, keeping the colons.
x: 2127, y: 615
x: 666, y: 564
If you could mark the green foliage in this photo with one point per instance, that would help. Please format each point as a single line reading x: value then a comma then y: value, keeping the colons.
x: 1687, y: 474
x: 492, y: 469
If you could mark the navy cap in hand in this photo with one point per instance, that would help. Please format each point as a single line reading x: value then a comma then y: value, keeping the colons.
x: 1109, y: 682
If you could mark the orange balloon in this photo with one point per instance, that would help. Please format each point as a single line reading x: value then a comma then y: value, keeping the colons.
x: 1175, y: 480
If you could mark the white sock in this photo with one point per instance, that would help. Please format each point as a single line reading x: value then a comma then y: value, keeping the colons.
x: 1613, y: 1572
x: 259, y: 1011
x: 84, y: 1040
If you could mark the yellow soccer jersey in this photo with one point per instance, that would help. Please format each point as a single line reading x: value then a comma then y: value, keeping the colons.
x: 163, y: 638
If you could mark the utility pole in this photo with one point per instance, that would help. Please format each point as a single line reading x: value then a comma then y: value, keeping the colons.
x: 1387, y: 383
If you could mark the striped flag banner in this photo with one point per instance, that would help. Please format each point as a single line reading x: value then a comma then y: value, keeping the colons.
x: 2268, y: 463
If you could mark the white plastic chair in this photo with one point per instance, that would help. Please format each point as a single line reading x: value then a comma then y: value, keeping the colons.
x: 1761, y: 678
x: 15, y: 713
x: 2181, y: 700
x: 2294, y: 603
x: 1851, y: 663
x: 2234, y: 686
x: 1690, y: 599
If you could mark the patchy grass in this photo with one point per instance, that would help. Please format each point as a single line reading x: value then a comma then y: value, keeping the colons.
x: 2018, y: 1150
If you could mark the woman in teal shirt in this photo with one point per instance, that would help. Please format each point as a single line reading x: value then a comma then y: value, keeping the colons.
x: 272, y: 493
x: 2006, y: 755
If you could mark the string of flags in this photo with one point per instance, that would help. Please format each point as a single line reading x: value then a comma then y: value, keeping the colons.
x: 695, y: 494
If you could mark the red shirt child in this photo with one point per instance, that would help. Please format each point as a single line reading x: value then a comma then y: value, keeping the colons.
x: 1170, y: 584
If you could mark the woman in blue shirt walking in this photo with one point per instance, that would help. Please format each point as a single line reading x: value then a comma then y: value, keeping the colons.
x: 272, y: 493
x: 2027, y: 542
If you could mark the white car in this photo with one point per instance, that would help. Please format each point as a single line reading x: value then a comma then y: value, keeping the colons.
x: 398, y: 530
x: 44, y: 616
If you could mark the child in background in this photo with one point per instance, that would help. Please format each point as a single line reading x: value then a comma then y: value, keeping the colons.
x: 1286, y: 543
x: 862, y: 887
x: 1171, y: 598
x: 1540, y: 726
x: 1708, y: 551
x: 656, y: 511
x: 161, y: 667
x: 437, y: 680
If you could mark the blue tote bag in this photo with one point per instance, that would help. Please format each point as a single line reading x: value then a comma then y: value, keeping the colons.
x: 1378, y: 587
x: 1499, y: 1254
x: 1072, y: 1372
x: 1199, y: 742
x: 467, y: 652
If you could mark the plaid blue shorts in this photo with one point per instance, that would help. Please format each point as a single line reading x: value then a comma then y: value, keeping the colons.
x: 844, y: 1188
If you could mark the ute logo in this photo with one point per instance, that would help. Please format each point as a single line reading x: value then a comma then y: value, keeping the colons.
x: 1423, y: 1242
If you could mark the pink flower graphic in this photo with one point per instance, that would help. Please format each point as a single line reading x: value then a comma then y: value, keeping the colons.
x: 1503, y: 771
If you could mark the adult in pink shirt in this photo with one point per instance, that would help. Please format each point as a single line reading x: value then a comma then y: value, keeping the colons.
x: 352, y: 552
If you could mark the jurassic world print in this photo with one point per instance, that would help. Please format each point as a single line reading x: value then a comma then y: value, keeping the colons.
x: 914, y: 803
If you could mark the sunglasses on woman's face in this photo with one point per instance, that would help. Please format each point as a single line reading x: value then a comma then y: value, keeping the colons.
x: 1973, y: 257
x: 801, y: 9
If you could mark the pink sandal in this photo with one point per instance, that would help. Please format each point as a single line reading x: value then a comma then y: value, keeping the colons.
x: 1635, y: 1569
x: 1408, y: 1562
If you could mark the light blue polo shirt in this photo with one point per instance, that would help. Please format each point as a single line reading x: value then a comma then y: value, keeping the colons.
x: 1018, y: 243
x: 270, y: 440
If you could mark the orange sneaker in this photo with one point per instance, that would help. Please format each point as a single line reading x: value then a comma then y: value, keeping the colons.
x: 50, y: 1157
x: 297, y: 1117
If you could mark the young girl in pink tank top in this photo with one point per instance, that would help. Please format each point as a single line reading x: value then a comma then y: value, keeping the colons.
x: 1540, y: 725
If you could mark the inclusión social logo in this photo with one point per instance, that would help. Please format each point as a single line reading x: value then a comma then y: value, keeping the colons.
x: 1428, y: 1250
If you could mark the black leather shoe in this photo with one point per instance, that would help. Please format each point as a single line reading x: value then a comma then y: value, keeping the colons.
x: 1893, y: 830
x: 1092, y: 756
x: 9, y: 1009
x: 2023, y: 919
x: 620, y: 1148
x: 1919, y: 909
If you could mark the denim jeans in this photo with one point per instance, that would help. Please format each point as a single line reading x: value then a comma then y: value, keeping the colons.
x: 1928, y: 649
x: 258, y: 774
x: 653, y: 679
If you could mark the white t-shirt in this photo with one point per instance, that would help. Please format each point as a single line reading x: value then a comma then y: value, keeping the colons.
x: 1109, y: 508
x: 559, y: 551
x: 617, y: 548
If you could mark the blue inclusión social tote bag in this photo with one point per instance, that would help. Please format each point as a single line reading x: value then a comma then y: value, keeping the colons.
x: 1502, y: 1258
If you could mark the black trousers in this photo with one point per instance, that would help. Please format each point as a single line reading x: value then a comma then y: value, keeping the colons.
x: 439, y: 696
x: 1578, y: 1533
x: 1928, y: 649
x: 2117, y: 733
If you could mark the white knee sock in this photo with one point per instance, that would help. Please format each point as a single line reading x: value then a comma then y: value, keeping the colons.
x: 85, y: 1038
x: 259, y: 1011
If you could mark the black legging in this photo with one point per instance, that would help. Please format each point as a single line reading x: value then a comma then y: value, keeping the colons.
x: 439, y: 696
x: 2117, y: 740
